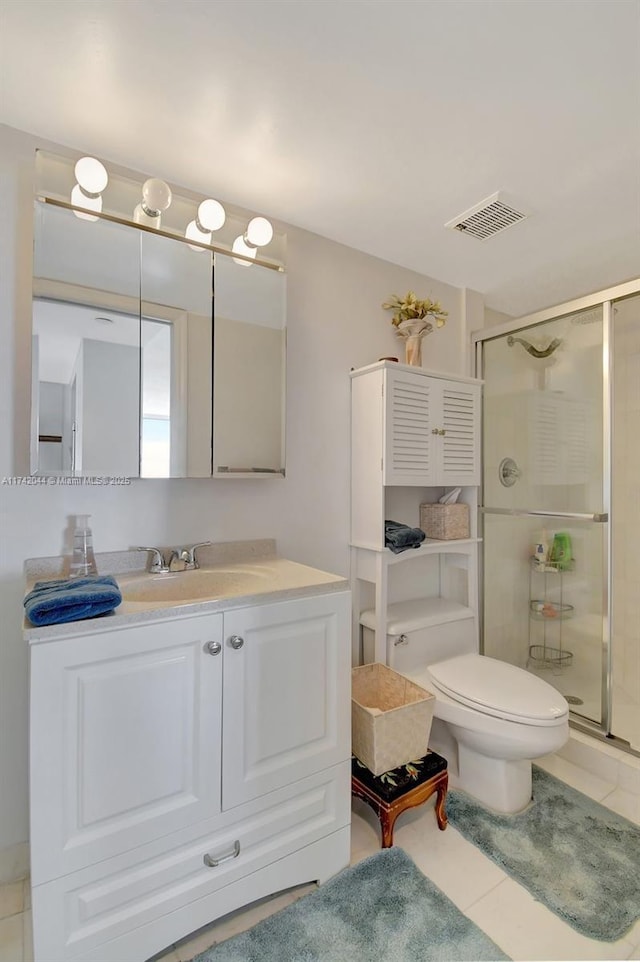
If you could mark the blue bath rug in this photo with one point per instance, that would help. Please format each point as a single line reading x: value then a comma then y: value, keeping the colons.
x: 381, y: 909
x: 575, y: 856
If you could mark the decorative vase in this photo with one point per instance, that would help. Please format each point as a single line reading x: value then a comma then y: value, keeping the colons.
x: 412, y: 333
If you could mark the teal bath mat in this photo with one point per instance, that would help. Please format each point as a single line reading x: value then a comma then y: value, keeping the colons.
x: 578, y: 858
x: 381, y: 909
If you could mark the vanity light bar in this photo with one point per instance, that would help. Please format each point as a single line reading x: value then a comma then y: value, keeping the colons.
x: 112, y: 218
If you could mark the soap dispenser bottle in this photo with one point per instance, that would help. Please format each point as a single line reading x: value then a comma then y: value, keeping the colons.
x: 541, y: 551
x: 83, y: 561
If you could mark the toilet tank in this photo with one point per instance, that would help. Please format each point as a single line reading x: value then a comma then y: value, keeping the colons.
x: 418, y: 635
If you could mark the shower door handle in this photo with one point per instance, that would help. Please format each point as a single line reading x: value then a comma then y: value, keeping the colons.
x: 599, y: 517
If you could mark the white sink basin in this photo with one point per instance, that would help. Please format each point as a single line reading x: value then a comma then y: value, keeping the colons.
x: 182, y: 587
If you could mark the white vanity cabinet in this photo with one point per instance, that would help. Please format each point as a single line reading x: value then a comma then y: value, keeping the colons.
x: 182, y: 768
x: 414, y: 433
x: 286, y: 689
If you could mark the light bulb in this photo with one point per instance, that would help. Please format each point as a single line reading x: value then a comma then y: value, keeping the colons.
x: 91, y: 175
x: 140, y: 216
x: 194, y: 233
x: 211, y: 215
x: 80, y: 199
x: 259, y: 232
x: 239, y: 247
x: 156, y: 196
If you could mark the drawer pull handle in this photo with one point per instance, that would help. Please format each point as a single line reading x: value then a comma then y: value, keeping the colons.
x: 214, y: 862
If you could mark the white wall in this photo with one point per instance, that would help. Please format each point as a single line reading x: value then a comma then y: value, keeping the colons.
x: 491, y: 317
x: 334, y: 322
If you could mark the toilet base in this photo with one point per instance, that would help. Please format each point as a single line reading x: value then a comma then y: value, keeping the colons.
x: 500, y: 784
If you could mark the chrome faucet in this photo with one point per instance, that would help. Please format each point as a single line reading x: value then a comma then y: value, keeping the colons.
x: 158, y: 563
x: 188, y: 555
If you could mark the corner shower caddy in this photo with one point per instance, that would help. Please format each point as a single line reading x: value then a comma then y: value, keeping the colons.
x: 547, y: 613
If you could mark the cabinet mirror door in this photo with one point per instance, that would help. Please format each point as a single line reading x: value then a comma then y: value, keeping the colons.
x: 249, y: 368
x: 175, y: 359
x: 86, y: 340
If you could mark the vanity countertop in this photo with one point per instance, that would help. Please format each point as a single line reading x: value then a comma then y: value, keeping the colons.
x: 245, y: 573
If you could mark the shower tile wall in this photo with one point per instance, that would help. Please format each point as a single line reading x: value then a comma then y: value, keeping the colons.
x: 626, y: 522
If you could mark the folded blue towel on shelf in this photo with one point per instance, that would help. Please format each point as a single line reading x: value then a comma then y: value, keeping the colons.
x: 398, y: 537
x: 71, y: 599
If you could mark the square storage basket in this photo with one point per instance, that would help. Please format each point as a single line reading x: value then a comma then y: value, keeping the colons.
x: 390, y: 718
x: 445, y: 522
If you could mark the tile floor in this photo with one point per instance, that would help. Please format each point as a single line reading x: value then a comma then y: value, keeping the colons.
x: 524, y: 928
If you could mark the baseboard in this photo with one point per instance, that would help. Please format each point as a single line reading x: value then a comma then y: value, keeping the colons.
x: 14, y: 862
x: 603, y: 759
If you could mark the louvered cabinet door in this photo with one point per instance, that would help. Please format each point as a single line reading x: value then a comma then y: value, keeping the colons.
x: 409, y: 448
x: 459, y: 449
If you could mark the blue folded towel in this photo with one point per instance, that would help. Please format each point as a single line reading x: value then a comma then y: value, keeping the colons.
x: 398, y: 537
x: 71, y: 599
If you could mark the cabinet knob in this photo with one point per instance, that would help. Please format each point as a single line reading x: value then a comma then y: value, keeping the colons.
x: 236, y: 642
x: 213, y: 647
x: 442, y: 432
x: 435, y: 431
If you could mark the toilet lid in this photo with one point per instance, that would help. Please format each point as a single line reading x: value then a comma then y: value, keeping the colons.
x: 497, y: 688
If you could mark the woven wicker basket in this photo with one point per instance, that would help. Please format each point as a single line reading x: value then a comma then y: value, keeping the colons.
x: 445, y: 522
x: 390, y: 718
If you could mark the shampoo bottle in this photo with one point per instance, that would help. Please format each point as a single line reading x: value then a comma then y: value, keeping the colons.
x: 83, y: 561
x: 561, y: 551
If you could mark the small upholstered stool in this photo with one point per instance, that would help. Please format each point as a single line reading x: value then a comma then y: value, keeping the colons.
x: 404, y: 787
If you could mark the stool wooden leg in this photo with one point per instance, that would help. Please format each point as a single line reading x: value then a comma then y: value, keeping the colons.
x: 387, y: 821
x: 441, y: 814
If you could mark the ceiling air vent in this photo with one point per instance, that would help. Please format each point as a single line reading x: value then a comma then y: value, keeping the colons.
x: 487, y: 218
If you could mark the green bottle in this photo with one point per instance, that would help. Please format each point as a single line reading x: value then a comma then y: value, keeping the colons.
x: 561, y: 552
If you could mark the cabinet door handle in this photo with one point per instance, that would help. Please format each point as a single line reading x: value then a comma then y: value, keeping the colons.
x: 442, y: 432
x: 236, y: 641
x: 435, y: 431
x: 213, y: 647
x: 214, y: 862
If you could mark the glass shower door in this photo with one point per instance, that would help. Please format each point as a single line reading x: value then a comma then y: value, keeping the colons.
x: 545, y: 530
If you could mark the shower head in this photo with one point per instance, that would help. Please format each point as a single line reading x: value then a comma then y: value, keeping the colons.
x: 591, y: 317
x: 533, y: 351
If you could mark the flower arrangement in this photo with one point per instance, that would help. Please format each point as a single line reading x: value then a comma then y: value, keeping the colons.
x: 410, y: 308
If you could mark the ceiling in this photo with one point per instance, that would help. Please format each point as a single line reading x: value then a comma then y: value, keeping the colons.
x: 371, y: 122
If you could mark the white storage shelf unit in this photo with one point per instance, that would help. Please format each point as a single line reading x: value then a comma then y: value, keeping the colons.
x: 415, y: 433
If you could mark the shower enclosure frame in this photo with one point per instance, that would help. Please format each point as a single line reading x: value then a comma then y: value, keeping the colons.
x: 604, y: 299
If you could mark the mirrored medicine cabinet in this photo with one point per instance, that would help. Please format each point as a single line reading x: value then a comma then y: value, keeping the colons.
x: 152, y: 358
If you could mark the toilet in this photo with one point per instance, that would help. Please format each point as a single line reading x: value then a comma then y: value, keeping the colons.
x: 501, y: 718
x: 490, y: 718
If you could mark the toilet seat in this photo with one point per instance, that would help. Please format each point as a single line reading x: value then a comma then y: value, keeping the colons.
x: 496, y: 688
